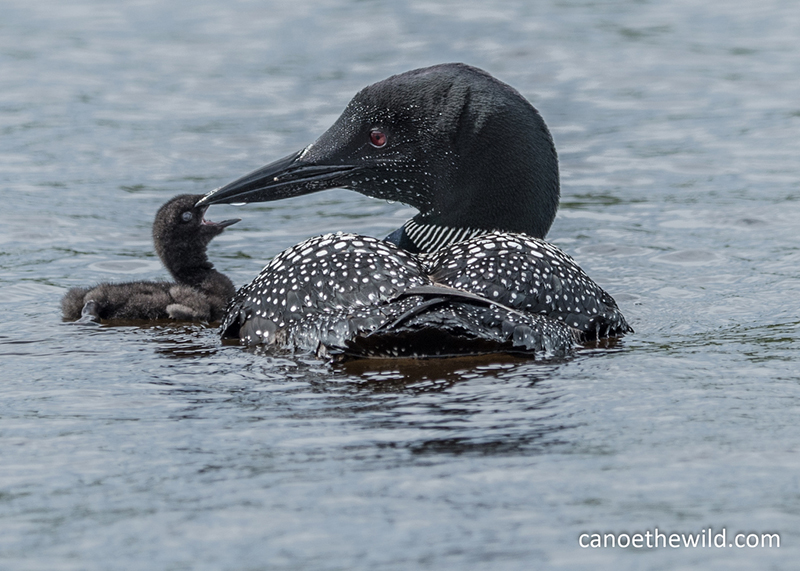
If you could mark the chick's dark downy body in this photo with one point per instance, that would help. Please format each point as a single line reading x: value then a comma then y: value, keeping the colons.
x: 470, y: 273
x: 199, y: 292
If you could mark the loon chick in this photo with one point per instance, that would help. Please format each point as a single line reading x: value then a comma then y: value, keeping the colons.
x: 478, y: 162
x: 199, y: 293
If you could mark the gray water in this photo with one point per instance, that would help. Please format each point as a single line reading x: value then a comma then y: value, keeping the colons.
x: 678, y: 129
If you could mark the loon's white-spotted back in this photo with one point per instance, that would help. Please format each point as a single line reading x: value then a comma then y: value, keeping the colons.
x: 347, y: 294
x: 469, y: 274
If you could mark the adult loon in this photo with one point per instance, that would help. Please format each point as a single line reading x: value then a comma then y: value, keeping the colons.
x: 470, y: 273
x: 199, y: 293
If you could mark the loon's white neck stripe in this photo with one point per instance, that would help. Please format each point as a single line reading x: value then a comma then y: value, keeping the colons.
x: 437, y: 236
x: 425, y: 234
x: 448, y: 236
x: 432, y: 237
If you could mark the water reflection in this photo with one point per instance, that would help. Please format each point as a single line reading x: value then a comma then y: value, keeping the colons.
x: 485, y: 405
x: 182, y: 341
x: 424, y: 375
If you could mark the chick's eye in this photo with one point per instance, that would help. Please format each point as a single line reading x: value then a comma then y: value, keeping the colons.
x: 187, y: 216
x: 377, y: 139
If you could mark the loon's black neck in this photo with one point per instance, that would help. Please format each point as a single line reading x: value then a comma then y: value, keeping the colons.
x: 185, y: 258
x: 193, y: 275
x: 480, y: 157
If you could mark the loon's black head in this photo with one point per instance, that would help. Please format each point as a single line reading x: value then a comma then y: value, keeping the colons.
x: 181, y: 235
x: 465, y: 149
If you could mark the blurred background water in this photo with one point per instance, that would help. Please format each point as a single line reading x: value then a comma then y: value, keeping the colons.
x: 678, y: 129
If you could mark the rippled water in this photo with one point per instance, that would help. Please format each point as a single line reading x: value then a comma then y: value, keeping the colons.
x: 678, y: 128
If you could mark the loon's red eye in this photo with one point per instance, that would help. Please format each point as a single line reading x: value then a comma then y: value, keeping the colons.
x: 377, y: 139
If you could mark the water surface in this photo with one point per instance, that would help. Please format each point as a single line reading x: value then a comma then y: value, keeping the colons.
x: 678, y: 130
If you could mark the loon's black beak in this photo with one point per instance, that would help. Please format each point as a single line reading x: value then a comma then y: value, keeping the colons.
x: 284, y: 178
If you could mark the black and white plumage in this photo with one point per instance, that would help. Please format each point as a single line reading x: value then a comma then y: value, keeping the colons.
x: 529, y: 275
x: 470, y: 273
x: 346, y: 294
x: 199, y: 293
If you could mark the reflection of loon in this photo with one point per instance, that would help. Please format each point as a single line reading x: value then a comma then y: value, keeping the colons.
x: 181, y: 236
x: 469, y: 274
